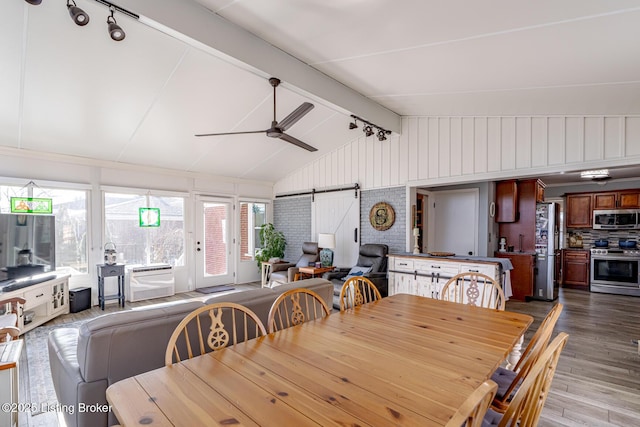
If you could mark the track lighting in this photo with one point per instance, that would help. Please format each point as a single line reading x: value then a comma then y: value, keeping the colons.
x: 114, y: 29
x: 78, y: 15
x: 369, y: 128
x: 367, y: 131
x: 34, y: 2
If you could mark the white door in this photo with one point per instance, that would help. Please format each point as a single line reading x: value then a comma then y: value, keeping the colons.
x: 338, y: 213
x: 453, y: 221
x: 213, y: 242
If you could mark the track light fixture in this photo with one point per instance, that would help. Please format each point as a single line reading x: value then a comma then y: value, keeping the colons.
x: 369, y: 128
x: 115, y: 31
x: 78, y: 15
x: 34, y: 2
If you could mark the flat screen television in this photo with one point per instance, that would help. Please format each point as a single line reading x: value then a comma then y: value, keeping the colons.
x: 27, y: 245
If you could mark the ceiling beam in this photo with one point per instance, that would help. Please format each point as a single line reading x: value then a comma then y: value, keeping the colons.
x: 194, y: 24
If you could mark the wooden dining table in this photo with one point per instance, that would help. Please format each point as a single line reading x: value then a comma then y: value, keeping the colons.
x: 403, y: 360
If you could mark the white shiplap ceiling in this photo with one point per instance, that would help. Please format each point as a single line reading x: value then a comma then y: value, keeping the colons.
x: 71, y: 90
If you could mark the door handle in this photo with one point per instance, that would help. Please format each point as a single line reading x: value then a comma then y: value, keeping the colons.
x: 355, y: 235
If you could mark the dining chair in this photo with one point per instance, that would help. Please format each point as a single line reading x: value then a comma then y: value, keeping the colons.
x: 228, y: 323
x: 475, y: 289
x: 509, y: 380
x: 295, y: 307
x: 472, y: 411
x: 526, y: 406
x: 9, y: 320
x: 356, y: 291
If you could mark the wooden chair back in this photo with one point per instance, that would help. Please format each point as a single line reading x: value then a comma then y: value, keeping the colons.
x: 472, y: 411
x: 223, y: 323
x: 475, y: 289
x: 526, y: 406
x: 356, y: 291
x: 530, y: 355
x: 295, y: 307
x: 9, y: 320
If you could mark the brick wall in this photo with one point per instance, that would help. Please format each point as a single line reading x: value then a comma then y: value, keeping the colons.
x: 244, y: 231
x: 292, y: 216
x: 215, y: 246
x: 394, y: 237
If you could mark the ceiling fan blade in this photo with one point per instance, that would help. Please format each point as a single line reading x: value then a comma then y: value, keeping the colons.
x: 295, y: 115
x: 297, y: 142
x: 231, y: 133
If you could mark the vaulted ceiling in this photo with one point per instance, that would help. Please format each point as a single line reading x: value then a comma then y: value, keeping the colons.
x: 200, y: 66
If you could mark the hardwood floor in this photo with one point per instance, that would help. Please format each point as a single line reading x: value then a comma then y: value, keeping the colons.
x: 598, y: 378
x: 597, y: 382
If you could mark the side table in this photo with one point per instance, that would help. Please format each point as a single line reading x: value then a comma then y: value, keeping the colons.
x: 9, y: 357
x: 313, y: 271
x: 106, y: 270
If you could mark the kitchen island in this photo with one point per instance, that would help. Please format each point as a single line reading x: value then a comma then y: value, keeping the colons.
x: 425, y: 275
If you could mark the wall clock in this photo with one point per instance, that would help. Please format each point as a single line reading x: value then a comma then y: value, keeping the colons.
x: 382, y: 216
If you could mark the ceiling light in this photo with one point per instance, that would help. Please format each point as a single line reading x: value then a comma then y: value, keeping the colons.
x: 78, y: 15
x: 600, y: 173
x: 114, y: 29
x: 367, y: 130
x: 353, y: 125
x: 381, y: 135
x: 34, y: 2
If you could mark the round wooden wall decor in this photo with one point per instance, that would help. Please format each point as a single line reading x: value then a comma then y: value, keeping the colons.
x: 382, y: 216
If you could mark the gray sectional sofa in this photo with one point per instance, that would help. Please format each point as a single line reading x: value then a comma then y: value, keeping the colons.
x: 114, y: 346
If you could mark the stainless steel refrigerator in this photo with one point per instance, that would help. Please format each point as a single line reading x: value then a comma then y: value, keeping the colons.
x: 546, y: 288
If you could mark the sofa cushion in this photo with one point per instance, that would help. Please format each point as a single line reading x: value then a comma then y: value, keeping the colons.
x: 257, y: 300
x: 358, y: 270
x: 122, y: 344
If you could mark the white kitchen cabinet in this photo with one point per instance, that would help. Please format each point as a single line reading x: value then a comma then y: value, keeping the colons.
x: 426, y: 276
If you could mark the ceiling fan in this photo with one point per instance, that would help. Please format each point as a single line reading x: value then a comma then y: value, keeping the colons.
x: 277, y: 128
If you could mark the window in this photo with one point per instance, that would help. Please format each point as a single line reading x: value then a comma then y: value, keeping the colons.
x: 252, y: 216
x: 70, y: 211
x: 142, y: 245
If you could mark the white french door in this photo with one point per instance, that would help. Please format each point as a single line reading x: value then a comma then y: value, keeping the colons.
x: 213, y: 242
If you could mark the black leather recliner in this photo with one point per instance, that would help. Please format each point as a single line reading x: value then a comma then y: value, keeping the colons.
x: 372, y: 255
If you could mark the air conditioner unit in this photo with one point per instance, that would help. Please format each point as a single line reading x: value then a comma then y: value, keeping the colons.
x: 150, y: 281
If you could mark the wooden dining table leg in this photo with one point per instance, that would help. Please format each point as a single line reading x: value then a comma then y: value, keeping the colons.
x: 515, y: 353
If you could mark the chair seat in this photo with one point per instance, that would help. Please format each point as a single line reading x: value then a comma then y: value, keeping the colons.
x: 491, y: 418
x: 503, y: 377
x: 8, y: 320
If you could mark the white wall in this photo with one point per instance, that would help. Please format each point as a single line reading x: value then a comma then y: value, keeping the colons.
x: 449, y: 150
x: 18, y: 166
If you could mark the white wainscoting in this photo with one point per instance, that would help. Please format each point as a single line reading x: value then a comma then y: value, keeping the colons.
x: 441, y: 150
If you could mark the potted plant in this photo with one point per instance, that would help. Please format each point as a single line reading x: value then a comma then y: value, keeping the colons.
x: 272, y: 244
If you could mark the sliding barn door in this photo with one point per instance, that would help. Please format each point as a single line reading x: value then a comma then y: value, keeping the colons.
x: 338, y: 213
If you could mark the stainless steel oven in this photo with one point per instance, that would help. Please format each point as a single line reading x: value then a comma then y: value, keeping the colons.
x: 615, y: 271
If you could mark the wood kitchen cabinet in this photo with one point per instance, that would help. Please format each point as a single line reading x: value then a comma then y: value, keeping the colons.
x: 623, y: 199
x: 507, y: 201
x: 522, y: 275
x: 575, y: 269
x: 579, y: 210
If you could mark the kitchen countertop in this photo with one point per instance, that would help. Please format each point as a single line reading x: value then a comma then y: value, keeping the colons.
x: 504, y: 262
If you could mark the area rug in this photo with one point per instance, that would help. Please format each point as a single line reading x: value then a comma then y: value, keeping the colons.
x: 38, y: 381
x: 213, y: 289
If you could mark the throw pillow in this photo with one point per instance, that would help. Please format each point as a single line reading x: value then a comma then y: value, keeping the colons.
x: 357, y: 271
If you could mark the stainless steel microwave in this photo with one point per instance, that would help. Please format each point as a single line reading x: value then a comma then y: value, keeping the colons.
x: 616, y: 219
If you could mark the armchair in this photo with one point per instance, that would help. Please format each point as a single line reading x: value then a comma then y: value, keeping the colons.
x: 285, y: 272
x: 9, y: 320
x: 372, y: 257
